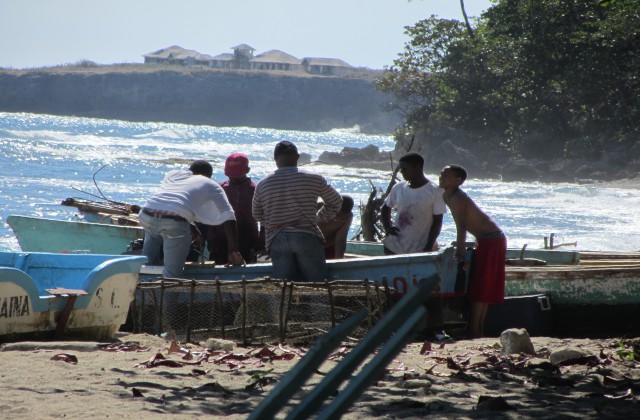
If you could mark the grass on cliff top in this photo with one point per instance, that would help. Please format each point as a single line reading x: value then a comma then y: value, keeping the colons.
x: 90, y: 68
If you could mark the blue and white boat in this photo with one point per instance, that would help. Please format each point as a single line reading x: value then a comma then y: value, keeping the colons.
x: 79, y: 295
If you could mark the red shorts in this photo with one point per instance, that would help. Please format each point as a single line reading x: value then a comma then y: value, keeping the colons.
x: 487, y: 272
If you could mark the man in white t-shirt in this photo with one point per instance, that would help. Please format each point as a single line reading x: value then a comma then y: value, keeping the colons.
x: 185, y: 197
x: 419, y: 206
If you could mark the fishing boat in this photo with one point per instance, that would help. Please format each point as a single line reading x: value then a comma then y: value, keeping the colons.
x: 401, y: 271
x: 575, y: 281
x: 598, y: 293
x: 65, y: 295
x: 39, y: 234
x: 545, y: 256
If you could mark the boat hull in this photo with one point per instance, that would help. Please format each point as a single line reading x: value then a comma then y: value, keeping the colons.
x: 550, y: 256
x: 36, y: 290
x: 598, y: 280
x: 36, y: 234
x: 402, y: 272
x: 577, y: 285
x: 580, y: 295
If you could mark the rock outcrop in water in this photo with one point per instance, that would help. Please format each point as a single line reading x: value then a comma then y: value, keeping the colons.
x: 219, y: 98
x: 487, y: 163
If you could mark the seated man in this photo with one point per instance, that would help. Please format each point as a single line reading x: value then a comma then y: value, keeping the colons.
x: 239, y: 189
x: 335, y: 231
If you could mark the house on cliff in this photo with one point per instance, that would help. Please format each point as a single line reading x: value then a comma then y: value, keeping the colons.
x: 240, y: 59
x: 178, y: 56
x: 222, y: 61
x: 275, y: 60
x: 325, y: 66
x: 243, y: 59
x: 243, y: 54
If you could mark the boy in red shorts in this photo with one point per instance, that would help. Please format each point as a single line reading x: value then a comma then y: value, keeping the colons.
x: 486, y: 285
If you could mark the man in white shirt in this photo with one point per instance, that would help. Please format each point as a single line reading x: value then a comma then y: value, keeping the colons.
x: 419, y: 208
x: 185, y: 197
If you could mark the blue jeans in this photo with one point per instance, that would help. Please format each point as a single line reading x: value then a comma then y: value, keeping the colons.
x: 173, y: 237
x: 298, y: 256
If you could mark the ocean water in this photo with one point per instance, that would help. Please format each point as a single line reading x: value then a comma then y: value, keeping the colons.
x: 45, y: 159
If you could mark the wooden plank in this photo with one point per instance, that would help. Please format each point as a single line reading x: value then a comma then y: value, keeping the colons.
x: 392, y: 324
x: 374, y: 369
x: 295, y: 379
x: 67, y: 292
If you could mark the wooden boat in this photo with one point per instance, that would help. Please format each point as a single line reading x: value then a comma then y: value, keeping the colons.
x: 37, y: 234
x: 602, y: 295
x: 549, y: 256
x: 572, y: 279
x: 85, y: 296
x: 109, y: 212
x: 402, y: 272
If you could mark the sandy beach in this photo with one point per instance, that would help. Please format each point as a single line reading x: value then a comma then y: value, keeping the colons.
x: 143, y: 376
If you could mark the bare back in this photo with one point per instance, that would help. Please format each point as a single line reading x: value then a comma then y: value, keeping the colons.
x: 468, y: 216
x: 336, y: 231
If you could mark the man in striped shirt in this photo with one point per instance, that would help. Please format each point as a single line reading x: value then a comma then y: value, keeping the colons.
x: 285, y: 203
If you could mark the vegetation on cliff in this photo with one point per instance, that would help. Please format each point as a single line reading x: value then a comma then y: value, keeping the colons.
x: 537, y: 80
x: 200, y: 95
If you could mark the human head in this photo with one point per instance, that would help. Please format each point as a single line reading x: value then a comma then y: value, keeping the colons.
x: 452, y: 176
x: 413, y: 159
x: 201, y: 167
x: 347, y: 204
x: 411, y: 166
x: 285, y: 154
x: 459, y: 171
x: 236, y: 165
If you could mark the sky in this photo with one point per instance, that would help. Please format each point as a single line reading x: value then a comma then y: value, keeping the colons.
x: 364, y: 33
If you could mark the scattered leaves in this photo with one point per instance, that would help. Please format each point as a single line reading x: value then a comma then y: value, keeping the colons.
x: 340, y: 352
x: 426, y: 347
x: 621, y: 396
x: 123, y: 347
x: 198, y: 372
x: 174, y: 347
x: 260, y: 381
x: 160, y: 360
x: 65, y: 357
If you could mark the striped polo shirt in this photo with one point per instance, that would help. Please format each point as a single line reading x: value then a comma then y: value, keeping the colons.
x: 287, y: 200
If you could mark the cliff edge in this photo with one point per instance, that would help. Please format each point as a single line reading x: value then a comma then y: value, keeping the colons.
x: 218, y: 98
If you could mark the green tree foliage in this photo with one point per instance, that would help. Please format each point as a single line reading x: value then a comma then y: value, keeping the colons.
x: 567, y: 71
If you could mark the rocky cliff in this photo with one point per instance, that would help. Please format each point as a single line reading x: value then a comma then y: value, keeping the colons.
x: 201, y: 97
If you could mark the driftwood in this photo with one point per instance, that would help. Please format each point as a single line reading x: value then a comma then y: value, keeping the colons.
x: 370, y: 224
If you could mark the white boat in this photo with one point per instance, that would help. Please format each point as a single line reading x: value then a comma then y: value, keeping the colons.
x: 65, y: 295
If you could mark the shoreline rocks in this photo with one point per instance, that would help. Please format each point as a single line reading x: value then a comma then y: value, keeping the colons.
x: 494, y: 165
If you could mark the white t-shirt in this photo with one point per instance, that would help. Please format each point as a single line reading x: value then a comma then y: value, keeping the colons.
x: 415, y: 208
x: 194, y: 197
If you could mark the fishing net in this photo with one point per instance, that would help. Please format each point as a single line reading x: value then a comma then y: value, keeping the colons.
x: 255, y: 311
